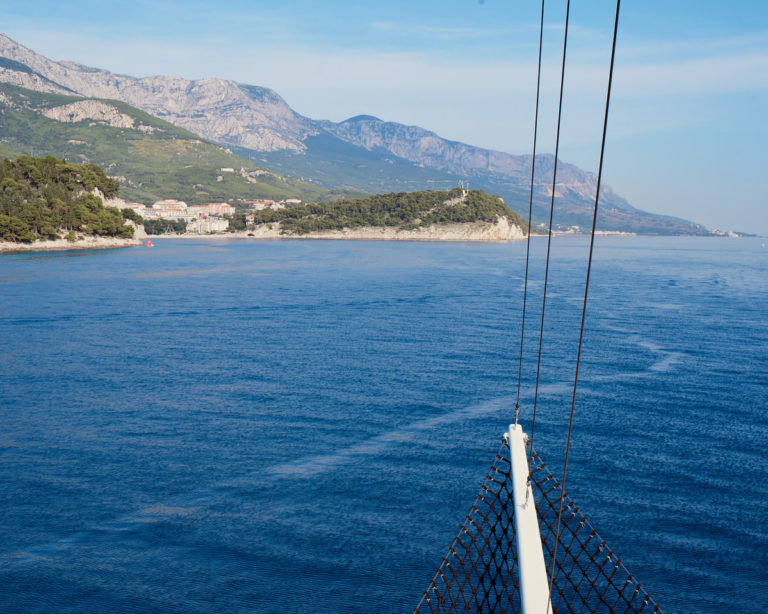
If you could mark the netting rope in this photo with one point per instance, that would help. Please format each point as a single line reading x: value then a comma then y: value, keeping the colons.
x: 479, y: 573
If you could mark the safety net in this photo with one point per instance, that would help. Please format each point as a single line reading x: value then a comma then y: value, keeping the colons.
x: 480, y: 571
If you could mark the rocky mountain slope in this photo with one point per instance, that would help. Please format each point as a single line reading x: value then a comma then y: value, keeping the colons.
x: 421, y: 146
x: 217, y: 109
x: 152, y: 158
x: 363, y: 152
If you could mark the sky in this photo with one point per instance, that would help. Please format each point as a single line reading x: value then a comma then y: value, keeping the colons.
x: 687, y: 131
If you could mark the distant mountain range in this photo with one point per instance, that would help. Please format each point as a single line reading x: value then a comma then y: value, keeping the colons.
x: 362, y: 153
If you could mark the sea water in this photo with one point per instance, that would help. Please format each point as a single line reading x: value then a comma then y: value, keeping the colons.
x: 301, y: 426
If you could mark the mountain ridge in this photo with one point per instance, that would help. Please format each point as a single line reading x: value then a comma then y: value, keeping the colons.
x: 203, y: 106
x: 362, y: 152
x: 152, y: 158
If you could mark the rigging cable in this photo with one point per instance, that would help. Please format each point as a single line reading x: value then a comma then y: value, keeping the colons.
x: 530, y: 210
x: 586, y: 288
x: 551, y: 210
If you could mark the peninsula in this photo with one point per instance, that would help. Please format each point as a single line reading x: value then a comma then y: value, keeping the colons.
x: 48, y: 203
x: 453, y: 215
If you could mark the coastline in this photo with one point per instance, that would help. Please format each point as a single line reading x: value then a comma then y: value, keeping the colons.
x: 470, y: 232
x: 87, y: 242
x: 481, y: 232
x: 500, y: 231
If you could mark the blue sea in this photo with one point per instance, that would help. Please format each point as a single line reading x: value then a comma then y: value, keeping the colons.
x: 301, y: 426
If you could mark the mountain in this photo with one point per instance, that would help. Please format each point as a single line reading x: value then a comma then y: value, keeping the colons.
x: 152, y: 158
x: 362, y: 153
x: 439, y: 162
x: 223, y: 111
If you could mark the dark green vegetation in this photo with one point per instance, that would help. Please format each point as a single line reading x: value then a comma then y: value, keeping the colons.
x: 403, y: 210
x: 153, y: 159
x: 162, y: 227
x: 42, y: 197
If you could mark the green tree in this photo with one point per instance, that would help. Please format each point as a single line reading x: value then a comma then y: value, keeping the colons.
x: 41, y: 196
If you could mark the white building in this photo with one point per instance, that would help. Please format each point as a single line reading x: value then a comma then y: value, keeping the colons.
x: 173, y: 210
x: 224, y: 209
x: 206, y: 225
x: 198, y: 210
x: 151, y: 214
x: 170, y: 204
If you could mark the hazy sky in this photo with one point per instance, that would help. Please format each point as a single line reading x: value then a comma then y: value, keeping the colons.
x: 687, y: 133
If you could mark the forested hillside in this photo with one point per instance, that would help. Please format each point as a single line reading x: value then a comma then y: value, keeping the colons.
x: 404, y: 210
x: 47, y: 198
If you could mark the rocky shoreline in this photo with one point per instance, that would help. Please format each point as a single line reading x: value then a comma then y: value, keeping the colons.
x: 87, y: 242
x: 500, y: 231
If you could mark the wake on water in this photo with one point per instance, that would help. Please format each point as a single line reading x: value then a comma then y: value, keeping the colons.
x: 313, y: 465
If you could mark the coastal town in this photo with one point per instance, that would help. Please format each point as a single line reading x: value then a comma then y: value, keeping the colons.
x: 203, y: 219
